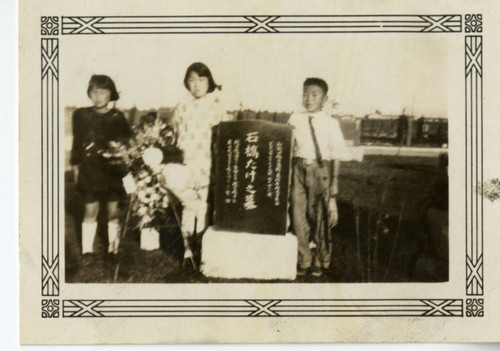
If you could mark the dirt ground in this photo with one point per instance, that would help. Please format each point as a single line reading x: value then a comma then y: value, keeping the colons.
x: 386, y: 232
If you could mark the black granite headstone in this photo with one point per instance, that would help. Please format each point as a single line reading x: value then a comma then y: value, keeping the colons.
x: 252, y: 177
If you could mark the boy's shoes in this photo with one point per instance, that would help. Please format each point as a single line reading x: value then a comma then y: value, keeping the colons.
x: 317, y: 272
x: 301, y: 271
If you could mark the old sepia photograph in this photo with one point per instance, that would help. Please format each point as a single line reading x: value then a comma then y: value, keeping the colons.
x: 229, y: 159
x: 213, y: 172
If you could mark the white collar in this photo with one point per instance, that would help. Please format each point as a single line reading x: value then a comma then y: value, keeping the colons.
x: 319, y: 114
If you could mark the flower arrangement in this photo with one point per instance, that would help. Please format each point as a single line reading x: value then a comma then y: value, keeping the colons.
x: 144, y: 156
x: 151, y: 200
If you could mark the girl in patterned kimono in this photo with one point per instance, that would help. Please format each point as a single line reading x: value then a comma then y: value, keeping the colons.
x: 193, y: 122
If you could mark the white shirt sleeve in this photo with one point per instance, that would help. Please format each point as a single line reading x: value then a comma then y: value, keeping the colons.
x: 338, y: 148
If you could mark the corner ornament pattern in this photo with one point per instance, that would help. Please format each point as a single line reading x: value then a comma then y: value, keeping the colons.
x: 50, y: 308
x: 474, y: 308
x: 474, y: 23
x: 49, y: 25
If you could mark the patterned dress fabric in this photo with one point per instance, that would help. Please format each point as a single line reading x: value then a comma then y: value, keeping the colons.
x: 193, y: 122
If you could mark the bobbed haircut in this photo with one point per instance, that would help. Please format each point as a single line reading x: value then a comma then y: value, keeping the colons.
x: 100, y: 81
x: 318, y: 82
x: 203, y: 71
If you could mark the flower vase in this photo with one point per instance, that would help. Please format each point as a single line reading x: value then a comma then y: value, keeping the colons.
x: 150, y: 239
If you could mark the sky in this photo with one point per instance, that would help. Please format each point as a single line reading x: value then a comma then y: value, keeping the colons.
x: 265, y: 71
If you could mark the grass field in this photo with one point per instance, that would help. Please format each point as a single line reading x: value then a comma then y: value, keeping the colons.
x: 383, y: 232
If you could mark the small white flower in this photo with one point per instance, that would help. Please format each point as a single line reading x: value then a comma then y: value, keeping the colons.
x: 154, y: 197
x: 147, y: 179
x: 142, y: 211
x: 142, y: 196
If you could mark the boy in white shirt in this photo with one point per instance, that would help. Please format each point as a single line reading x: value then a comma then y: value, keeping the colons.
x: 318, y: 148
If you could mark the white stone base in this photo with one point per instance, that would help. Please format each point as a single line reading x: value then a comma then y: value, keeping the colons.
x: 253, y: 256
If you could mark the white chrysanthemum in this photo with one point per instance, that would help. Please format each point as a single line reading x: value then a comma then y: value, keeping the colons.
x: 152, y: 157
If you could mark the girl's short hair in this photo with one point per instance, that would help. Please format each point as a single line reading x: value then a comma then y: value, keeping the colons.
x: 203, y: 71
x: 318, y: 82
x: 101, y: 81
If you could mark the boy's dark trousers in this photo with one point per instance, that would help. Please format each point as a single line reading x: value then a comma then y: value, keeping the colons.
x: 311, y: 182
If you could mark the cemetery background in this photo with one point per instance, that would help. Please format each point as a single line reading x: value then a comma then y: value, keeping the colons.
x: 383, y: 234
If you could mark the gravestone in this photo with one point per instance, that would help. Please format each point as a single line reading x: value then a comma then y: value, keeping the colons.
x: 249, y: 239
x: 252, y: 177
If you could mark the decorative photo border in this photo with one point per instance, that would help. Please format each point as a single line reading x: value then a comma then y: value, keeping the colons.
x: 52, y: 27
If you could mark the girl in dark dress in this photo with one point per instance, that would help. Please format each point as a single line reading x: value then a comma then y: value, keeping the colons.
x: 97, y: 130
